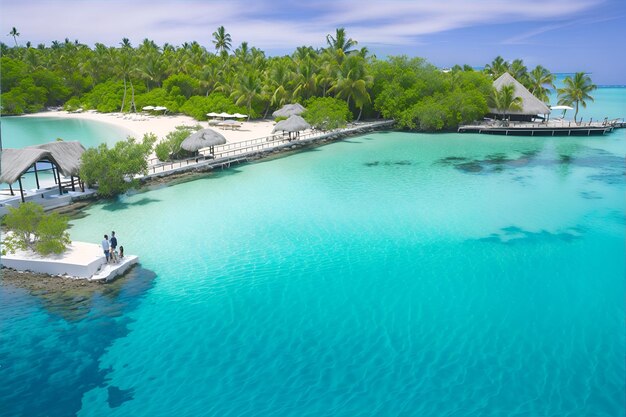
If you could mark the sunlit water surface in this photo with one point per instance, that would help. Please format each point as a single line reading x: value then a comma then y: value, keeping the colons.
x: 389, y: 274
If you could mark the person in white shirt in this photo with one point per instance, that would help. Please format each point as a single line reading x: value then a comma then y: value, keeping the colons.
x: 105, y: 247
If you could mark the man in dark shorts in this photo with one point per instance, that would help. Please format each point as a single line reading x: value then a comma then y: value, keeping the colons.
x: 113, y: 243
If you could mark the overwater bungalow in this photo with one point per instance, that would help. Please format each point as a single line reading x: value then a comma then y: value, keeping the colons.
x: 533, y: 119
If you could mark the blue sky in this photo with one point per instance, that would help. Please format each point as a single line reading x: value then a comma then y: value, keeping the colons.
x: 562, y: 35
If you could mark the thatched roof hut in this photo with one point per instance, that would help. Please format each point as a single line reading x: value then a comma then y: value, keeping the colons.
x: 295, y: 123
x: 289, y: 110
x: 66, y: 154
x: 531, y: 105
x: 15, y: 162
x: 202, y: 139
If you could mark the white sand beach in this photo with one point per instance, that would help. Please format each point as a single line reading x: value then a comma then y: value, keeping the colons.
x: 140, y: 124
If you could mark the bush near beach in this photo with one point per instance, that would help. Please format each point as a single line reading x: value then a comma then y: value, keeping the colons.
x: 31, y: 229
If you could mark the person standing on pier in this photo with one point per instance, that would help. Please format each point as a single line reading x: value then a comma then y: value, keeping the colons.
x: 113, y: 243
x: 106, y: 247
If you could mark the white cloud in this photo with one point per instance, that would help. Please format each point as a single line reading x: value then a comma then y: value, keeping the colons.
x: 393, y: 22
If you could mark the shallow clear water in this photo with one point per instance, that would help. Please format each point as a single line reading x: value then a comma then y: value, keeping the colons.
x: 20, y: 132
x: 389, y: 274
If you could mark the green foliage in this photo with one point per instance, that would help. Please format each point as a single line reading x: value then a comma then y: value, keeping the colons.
x: 198, y: 106
x: 419, y: 96
x: 327, y: 113
x: 505, y: 100
x: 181, y: 84
x: 576, y: 91
x: 193, y: 80
x: 22, y: 222
x: 105, y: 97
x: 113, y: 170
x: 52, y: 234
x: 72, y: 104
x: 32, y: 229
x: 169, y: 148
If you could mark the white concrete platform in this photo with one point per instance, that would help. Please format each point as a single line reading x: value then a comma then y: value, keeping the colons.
x: 81, y: 260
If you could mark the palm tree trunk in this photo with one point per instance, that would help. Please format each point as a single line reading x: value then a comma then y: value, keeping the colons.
x: 124, y: 97
x: 360, y: 111
x: 132, y: 97
x: 576, y: 114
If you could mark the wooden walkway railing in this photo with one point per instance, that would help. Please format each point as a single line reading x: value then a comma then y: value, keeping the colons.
x: 221, y: 153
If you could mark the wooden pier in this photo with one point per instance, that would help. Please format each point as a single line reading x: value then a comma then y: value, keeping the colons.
x: 552, y: 128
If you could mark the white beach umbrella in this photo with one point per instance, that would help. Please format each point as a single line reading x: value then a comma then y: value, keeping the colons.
x: 148, y: 108
x: 239, y: 115
x: 213, y: 114
x: 224, y: 114
x: 160, y: 108
x: 561, y: 108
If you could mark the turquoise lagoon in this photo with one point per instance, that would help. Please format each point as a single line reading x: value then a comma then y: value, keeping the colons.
x: 390, y: 274
x: 20, y: 132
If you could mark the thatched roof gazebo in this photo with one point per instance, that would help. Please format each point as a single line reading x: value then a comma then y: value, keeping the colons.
x: 67, y: 154
x: 204, y: 138
x: 294, y: 123
x: 531, y: 105
x: 64, y: 158
x: 16, y: 162
x: 289, y: 110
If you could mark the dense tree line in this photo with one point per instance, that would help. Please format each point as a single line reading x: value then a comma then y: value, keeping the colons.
x: 192, y: 80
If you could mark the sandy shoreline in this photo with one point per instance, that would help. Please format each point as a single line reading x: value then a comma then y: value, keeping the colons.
x: 139, y: 124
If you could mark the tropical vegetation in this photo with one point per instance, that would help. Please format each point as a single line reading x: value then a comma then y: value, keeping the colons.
x: 504, y: 100
x: 31, y: 229
x: 194, y: 80
x: 169, y: 148
x: 327, y: 113
x: 113, y: 170
x: 576, y: 91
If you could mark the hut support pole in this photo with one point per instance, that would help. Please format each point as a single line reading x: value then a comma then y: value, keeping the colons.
x: 54, y: 175
x: 11, y: 189
x: 21, y: 188
x: 59, y: 182
x: 36, y: 175
x: 73, y: 187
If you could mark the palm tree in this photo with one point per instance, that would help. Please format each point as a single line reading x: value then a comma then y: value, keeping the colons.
x: 539, y: 79
x: 353, y: 82
x: 222, y: 40
x: 497, y: 67
x: 339, y: 41
x: 248, y: 88
x: 125, y: 68
x: 305, y: 80
x: 278, y: 80
x: 340, y: 45
x: 576, y: 91
x: 15, y: 34
x: 505, y: 100
x: 518, y: 70
x: 243, y: 54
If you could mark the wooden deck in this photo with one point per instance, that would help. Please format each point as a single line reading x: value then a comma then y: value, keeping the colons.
x: 558, y: 128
